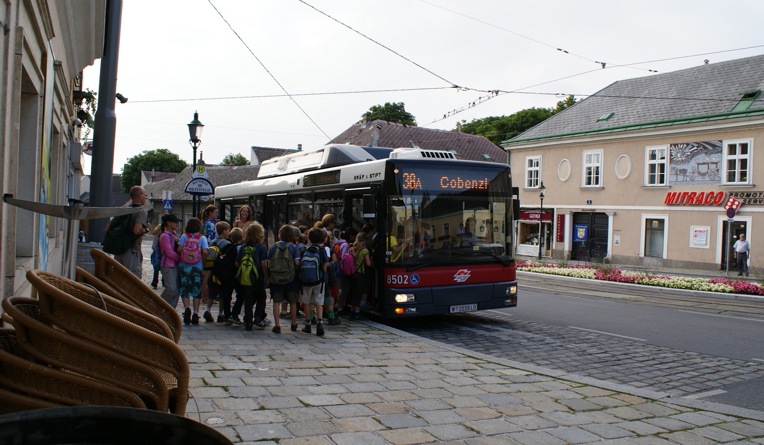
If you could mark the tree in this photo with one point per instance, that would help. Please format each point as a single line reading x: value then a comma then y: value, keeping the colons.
x: 391, y: 112
x: 89, y: 107
x: 500, y: 128
x: 234, y: 159
x: 160, y: 159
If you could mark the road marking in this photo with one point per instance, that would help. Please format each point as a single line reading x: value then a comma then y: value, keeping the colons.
x: 702, y: 395
x: 723, y: 316
x: 607, y: 333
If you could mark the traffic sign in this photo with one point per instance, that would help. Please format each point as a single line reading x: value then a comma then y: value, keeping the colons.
x: 200, y: 187
x: 167, y: 204
x: 730, y: 213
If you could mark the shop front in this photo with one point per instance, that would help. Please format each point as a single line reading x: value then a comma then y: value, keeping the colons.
x: 534, y: 233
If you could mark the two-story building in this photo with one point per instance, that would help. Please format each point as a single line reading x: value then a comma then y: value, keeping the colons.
x: 641, y: 171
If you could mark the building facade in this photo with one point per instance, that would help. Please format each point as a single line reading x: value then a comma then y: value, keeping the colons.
x: 641, y: 172
x: 43, y: 48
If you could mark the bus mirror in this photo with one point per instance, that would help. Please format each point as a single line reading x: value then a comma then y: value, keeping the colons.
x: 369, y: 206
x: 515, y: 209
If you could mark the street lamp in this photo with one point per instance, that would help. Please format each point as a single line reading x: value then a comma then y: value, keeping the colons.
x: 541, y: 217
x: 195, y: 134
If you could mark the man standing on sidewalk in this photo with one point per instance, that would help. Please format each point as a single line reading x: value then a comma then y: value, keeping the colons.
x: 742, y: 251
x: 133, y: 258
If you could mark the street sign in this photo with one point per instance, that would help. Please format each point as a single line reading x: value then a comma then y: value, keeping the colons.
x: 730, y: 213
x: 167, y: 204
x: 199, y: 187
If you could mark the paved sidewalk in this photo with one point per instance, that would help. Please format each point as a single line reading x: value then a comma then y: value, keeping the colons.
x: 366, y: 383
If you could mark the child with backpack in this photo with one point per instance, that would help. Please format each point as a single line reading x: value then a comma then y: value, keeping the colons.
x: 219, y: 248
x: 252, y: 269
x: 283, y: 263
x: 359, y: 281
x: 169, y: 258
x: 313, y: 267
x: 192, y: 248
x: 236, y: 237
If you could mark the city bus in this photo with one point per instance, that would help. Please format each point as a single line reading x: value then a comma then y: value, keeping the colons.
x: 455, y: 218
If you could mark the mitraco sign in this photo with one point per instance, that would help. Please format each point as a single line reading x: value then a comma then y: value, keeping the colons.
x: 695, y: 198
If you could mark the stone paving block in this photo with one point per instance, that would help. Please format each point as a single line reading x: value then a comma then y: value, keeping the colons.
x: 262, y: 381
x: 230, y: 403
x: 687, y: 438
x: 608, y: 402
x: 431, y: 393
x: 516, y: 410
x: 358, y: 424
x: 579, y: 404
x: 261, y: 416
x: 399, y: 385
x: 490, y: 427
x: 627, y: 413
x: 532, y: 422
x: 451, y: 432
x: 717, y: 434
x: 498, y: 399
x: 304, y: 413
x: 303, y: 441
x: 481, y: 413
x: 389, y: 407
x: 224, y: 382
x: 396, y: 421
x: 465, y: 401
x: 326, y: 389
x: 465, y: 390
x: 607, y: 431
x: 279, y: 402
x: 348, y: 410
x: 668, y: 423
x: 696, y: 418
x: 536, y: 438
x: 209, y: 392
x: 427, y: 404
x: 365, y: 438
x: 573, y: 435
x: 440, y: 416
x: 642, y: 428
x: 258, y: 432
x: 321, y: 400
x: 744, y: 427
x: 407, y: 436
x: 311, y: 428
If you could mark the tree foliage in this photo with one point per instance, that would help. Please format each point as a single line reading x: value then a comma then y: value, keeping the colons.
x: 234, y: 159
x: 391, y: 112
x: 160, y: 159
x: 501, y: 128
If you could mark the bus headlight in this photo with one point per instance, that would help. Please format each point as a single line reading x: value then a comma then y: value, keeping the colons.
x: 404, y: 298
x: 511, y: 290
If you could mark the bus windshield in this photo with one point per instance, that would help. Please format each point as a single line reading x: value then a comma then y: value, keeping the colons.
x: 442, y: 213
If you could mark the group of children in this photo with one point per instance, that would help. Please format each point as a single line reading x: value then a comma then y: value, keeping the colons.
x: 211, y: 262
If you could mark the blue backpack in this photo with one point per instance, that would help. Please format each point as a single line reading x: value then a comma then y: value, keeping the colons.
x: 311, y: 272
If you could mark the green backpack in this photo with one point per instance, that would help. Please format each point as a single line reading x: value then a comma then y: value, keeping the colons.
x: 247, y: 273
x: 119, y: 238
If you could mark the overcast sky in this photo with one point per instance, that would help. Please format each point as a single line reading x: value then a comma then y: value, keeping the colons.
x: 234, y: 61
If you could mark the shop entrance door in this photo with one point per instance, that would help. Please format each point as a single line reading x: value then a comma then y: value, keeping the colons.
x: 737, y: 228
x: 590, y: 232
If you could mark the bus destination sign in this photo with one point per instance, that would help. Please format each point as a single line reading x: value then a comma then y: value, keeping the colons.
x: 434, y: 180
x: 324, y: 178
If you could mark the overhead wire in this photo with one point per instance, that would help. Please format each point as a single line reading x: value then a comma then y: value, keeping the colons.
x: 268, y: 71
x: 453, y: 84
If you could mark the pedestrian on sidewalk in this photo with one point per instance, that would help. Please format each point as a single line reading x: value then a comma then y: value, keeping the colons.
x: 192, y: 248
x: 169, y: 258
x: 252, y: 272
x: 313, y: 266
x: 283, y: 263
x: 742, y: 252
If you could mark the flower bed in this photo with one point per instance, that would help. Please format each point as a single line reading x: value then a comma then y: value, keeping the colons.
x: 617, y: 275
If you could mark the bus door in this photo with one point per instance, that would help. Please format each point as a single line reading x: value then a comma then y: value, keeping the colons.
x: 275, y: 216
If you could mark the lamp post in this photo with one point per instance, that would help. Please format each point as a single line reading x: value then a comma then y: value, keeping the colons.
x: 541, y: 218
x: 195, y: 134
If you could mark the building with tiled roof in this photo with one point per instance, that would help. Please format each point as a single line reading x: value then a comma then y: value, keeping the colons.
x: 381, y: 133
x: 640, y: 172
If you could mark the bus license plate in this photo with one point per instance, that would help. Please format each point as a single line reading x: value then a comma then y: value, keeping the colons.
x: 463, y: 308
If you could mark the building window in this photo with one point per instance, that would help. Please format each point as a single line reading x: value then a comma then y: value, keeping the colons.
x: 736, y: 161
x: 656, y: 165
x: 592, y: 169
x: 532, y: 171
x: 655, y: 233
